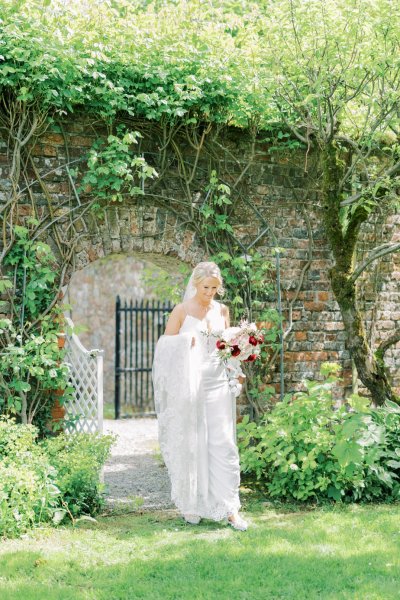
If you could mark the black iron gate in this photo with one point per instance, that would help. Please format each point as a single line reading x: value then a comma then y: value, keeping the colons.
x: 138, y: 327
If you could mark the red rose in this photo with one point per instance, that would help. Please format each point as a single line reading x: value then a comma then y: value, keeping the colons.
x: 251, y: 357
x: 235, y: 350
x: 253, y: 340
x: 221, y: 345
x: 260, y: 338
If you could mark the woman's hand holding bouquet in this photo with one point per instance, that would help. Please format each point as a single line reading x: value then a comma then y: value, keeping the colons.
x: 237, y: 345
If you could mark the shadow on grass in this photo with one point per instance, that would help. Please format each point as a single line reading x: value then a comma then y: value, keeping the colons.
x: 346, y: 554
x: 202, y: 571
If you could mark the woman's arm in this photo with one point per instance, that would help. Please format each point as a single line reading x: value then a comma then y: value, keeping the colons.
x: 175, y: 320
x: 225, y: 313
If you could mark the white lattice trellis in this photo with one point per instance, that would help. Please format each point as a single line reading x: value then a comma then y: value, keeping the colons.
x: 86, y: 377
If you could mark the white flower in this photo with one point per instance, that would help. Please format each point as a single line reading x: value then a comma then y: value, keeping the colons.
x: 230, y: 332
x: 294, y: 467
x: 52, y: 373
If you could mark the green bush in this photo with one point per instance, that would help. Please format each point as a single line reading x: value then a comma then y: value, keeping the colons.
x: 31, y: 365
x: 43, y: 481
x: 78, y: 460
x: 388, y: 417
x: 29, y: 495
x: 306, y: 449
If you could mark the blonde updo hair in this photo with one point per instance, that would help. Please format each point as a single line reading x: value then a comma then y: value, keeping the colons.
x: 208, y: 269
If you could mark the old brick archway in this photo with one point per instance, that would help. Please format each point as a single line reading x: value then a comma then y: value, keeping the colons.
x: 149, y: 232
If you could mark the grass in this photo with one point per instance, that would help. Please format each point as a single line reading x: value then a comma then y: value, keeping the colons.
x: 333, y: 554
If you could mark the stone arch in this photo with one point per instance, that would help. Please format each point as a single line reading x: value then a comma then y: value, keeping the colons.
x: 149, y: 232
x: 146, y: 233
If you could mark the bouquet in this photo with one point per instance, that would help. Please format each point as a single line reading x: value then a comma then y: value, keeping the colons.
x: 236, y: 345
x: 241, y: 343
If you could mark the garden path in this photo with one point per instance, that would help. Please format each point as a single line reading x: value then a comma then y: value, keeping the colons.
x: 134, y: 468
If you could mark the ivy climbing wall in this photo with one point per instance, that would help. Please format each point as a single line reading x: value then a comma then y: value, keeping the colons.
x: 274, y: 207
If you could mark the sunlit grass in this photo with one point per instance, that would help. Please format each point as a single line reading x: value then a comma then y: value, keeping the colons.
x: 338, y: 553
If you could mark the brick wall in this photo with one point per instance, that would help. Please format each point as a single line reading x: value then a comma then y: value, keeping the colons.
x: 273, y: 205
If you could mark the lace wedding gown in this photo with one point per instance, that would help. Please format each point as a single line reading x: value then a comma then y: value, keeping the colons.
x: 197, y: 419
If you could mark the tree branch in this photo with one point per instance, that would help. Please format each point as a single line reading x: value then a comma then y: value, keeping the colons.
x: 378, y: 252
x: 389, y: 173
x: 385, y: 345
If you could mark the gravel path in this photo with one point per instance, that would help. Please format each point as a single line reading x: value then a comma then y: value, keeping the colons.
x: 135, y: 469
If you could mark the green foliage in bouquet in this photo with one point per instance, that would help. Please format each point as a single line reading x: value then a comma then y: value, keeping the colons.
x: 308, y: 449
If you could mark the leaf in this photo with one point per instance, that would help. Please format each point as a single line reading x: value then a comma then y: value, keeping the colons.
x: 347, y: 452
x: 21, y: 386
x: 392, y: 407
x: 5, y: 284
x: 359, y: 403
x: 375, y: 434
x: 395, y: 464
x: 334, y: 493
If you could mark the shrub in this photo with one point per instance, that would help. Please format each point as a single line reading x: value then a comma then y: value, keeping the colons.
x: 31, y: 365
x: 28, y: 493
x: 305, y: 448
x: 42, y: 481
x: 78, y: 460
x: 388, y: 417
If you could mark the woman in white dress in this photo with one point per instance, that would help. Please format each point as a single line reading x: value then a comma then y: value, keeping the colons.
x: 196, y: 405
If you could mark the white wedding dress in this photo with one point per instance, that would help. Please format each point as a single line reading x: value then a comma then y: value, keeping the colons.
x: 196, y: 412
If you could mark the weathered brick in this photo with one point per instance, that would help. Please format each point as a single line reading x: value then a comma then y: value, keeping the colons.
x: 52, y: 138
x: 314, y: 306
x: 300, y: 335
x: 48, y: 150
x: 81, y: 140
x: 323, y: 296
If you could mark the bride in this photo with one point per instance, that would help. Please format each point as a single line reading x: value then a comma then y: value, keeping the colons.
x: 195, y: 403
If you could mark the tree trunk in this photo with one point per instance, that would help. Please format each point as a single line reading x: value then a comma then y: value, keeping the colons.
x: 371, y: 370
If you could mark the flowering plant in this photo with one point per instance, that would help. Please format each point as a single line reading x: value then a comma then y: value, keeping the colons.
x: 241, y: 343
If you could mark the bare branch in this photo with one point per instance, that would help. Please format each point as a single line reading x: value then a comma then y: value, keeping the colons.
x: 385, y: 345
x: 378, y: 252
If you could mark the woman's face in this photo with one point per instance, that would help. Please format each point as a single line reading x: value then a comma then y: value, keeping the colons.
x: 207, y: 288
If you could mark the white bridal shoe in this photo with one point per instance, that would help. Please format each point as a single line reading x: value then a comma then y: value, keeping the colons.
x: 193, y: 519
x: 237, y: 522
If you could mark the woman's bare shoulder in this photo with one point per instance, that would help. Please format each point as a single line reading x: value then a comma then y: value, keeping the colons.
x: 224, y: 308
x: 178, y: 309
x: 175, y: 320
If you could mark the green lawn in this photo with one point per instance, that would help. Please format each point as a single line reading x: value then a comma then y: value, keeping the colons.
x: 332, y: 554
